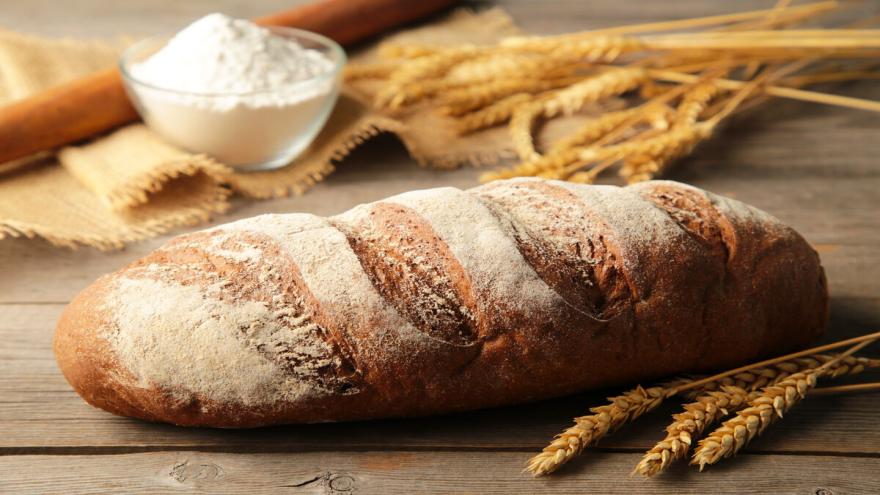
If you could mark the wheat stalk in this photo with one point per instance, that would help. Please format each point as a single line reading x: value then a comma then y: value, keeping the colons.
x: 420, y: 69
x: 468, y: 99
x: 610, y: 83
x: 410, y: 93
x: 704, y: 411
x: 769, y: 405
x: 676, y: 142
x: 508, y: 66
x: 694, y: 103
x: 588, y: 430
x: 488, y: 85
x: 763, y: 376
x: 565, y: 151
x: 592, y: 48
x: 595, y: 128
x: 763, y: 410
x: 544, y: 166
x: 709, y: 406
x: 494, y: 114
x: 520, y: 128
x: 632, y: 404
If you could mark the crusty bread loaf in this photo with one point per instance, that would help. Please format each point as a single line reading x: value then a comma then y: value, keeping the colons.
x: 441, y: 300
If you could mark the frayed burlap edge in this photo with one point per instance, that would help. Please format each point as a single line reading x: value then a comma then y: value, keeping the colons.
x: 189, y: 216
x: 138, y: 190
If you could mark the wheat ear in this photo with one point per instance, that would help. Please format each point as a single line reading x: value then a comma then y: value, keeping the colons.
x: 520, y: 127
x: 676, y: 142
x: 704, y: 411
x: 610, y: 83
x: 588, y: 430
x: 709, y: 406
x: 762, y: 411
x: 758, y: 378
x: 468, y: 99
x: 770, y: 404
x: 595, y: 129
x: 694, y: 103
x: 564, y: 151
x: 420, y: 69
x: 498, y: 66
x: 545, y: 166
x: 594, y: 48
x: 494, y: 114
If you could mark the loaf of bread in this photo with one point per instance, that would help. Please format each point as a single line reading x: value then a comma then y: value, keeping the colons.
x: 441, y: 300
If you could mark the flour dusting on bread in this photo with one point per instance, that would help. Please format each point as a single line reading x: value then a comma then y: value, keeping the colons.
x: 184, y: 340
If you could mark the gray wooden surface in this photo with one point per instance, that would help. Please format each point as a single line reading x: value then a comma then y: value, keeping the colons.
x: 814, y: 167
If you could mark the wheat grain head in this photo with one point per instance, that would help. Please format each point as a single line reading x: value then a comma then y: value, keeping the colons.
x: 590, y: 429
x: 706, y: 410
x: 769, y: 405
x: 607, y: 84
x: 494, y: 114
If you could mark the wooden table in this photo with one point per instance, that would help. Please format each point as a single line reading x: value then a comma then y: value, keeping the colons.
x: 814, y: 167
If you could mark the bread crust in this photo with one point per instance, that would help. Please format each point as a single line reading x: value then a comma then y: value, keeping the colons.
x: 438, y: 301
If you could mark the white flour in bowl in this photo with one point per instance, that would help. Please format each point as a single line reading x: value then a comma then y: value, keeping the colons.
x: 235, y: 90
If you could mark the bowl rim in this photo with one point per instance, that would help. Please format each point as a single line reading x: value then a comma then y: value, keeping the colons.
x: 124, y: 61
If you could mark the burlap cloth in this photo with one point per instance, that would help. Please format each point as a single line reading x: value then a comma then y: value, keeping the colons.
x: 130, y: 184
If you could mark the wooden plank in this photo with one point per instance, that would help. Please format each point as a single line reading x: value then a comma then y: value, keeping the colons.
x: 40, y: 413
x: 421, y: 472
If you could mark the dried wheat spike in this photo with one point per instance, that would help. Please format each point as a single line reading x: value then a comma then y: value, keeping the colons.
x: 474, y: 97
x: 496, y: 113
x: 770, y: 404
x: 595, y: 129
x: 593, y: 48
x: 590, y: 429
x: 417, y: 91
x: 705, y: 411
x: 520, y: 127
x: 420, y: 69
x: 850, y: 365
x: 655, y: 149
x: 496, y: 66
x: 761, y: 377
x: 710, y: 406
x: 548, y: 166
x: 641, y: 168
x: 694, y: 103
x: 610, y: 83
x: 674, y: 143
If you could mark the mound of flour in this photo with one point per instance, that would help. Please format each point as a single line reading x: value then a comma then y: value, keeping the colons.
x: 239, y: 92
x: 220, y: 55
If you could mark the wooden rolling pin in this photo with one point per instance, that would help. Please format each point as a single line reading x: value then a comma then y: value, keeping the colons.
x: 70, y: 112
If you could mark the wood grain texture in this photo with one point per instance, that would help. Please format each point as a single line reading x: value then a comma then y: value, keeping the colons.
x: 418, y: 472
x: 813, y: 167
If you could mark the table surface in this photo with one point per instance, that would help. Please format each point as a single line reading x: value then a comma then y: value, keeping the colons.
x: 814, y: 167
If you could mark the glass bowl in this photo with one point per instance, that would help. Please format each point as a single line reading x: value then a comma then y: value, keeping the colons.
x: 244, y: 130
